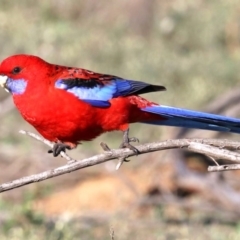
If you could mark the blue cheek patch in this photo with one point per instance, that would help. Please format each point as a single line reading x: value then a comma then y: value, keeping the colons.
x: 16, y: 86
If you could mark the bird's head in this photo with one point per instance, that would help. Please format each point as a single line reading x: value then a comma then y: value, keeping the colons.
x: 19, y: 71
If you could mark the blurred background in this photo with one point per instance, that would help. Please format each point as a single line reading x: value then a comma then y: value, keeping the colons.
x: 192, y: 48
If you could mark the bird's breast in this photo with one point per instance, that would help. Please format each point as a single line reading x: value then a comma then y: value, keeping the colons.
x: 60, y: 117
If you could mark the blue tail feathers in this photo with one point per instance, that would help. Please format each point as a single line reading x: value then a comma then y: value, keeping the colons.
x: 192, y: 119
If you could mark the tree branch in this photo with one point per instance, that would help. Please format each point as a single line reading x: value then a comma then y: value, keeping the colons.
x: 224, y: 168
x: 214, y: 148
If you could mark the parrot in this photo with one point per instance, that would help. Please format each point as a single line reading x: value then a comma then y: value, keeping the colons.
x: 69, y: 105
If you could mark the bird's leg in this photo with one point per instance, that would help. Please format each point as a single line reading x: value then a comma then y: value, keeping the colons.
x: 126, y: 142
x: 59, y: 147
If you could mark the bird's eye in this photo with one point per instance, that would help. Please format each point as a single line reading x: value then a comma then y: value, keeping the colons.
x: 16, y: 70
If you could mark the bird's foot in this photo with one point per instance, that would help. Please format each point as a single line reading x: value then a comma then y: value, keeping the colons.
x: 127, y: 140
x: 59, y: 147
x: 125, y: 144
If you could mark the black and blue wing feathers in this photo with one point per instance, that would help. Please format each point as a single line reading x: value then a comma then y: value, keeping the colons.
x: 98, y: 92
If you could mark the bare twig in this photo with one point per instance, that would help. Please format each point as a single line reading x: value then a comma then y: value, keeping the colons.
x: 48, y: 143
x: 212, y: 158
x: 224, y: 168
x: 214, y: 152
x: 212, y: 147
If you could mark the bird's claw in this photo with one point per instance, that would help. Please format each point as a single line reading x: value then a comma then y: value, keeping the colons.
x: 129, y: 146
x: 126, y: 142
x: 58, y: 147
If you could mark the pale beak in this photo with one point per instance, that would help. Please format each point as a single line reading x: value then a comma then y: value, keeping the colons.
x: 3, y: 82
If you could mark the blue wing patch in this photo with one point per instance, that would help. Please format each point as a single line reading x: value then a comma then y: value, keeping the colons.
x: 97, y: 103
x: 97, y: 96
x: 98, y: 92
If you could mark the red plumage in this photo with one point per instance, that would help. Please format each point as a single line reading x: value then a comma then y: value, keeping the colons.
x: 57, y: 114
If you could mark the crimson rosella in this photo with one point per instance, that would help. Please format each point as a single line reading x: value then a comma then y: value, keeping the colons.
x: 68, y: 105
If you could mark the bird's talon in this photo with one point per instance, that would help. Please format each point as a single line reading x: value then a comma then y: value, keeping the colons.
x: 127, y: 140
x: 129, y: 146
x: 58, y: 147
